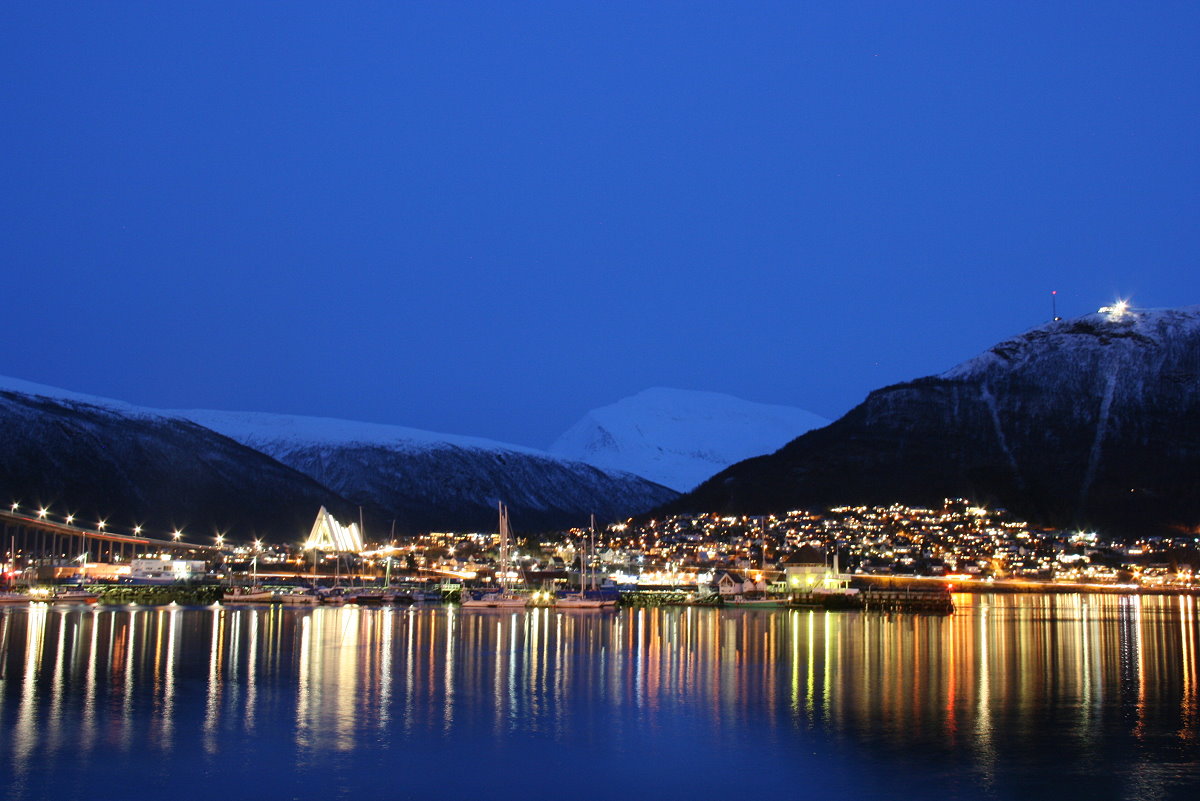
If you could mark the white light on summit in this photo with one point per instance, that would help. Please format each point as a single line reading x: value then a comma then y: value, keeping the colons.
x: 1117, y: 311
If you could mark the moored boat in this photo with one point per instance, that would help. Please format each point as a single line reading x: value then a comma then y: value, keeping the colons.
x: 581, y: 601
x: 331, y: 597
x: 367, y: 597
x: 74, y: 597
x: 298, y: 598
x: 505, y: 597
x: 249, y: 595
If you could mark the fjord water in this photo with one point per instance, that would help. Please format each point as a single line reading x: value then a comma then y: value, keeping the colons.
x: 1015, y: 696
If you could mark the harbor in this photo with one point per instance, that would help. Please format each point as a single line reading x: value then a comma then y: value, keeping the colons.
x: 111, y: 701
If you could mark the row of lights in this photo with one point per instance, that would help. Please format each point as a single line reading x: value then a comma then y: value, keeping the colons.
x: 176, y: 535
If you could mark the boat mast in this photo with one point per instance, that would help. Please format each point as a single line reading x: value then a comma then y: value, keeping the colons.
x: 391, y: 552
x: 592, y: 537
x: 503, y: 546
x: 763, y: 530
x: 583, y: 546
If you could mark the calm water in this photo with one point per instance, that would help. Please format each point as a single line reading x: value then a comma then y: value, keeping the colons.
x: 1012, y: 697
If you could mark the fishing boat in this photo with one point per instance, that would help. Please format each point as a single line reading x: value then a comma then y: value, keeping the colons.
x: 505, y: 597
x: 254, y: 594
x: 249, y: 595
x: 582, y: 599
x: 331, y: 596
x: 74, y: 597
x: 367, y: 597
x: 303, y: 598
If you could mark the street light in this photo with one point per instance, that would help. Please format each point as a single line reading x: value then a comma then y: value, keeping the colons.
x: 100, y: 525
x: 15, y: 506
x: 176, y: 534
x: 42, y: 513
x: 137, y: 530
x: 70, y: 519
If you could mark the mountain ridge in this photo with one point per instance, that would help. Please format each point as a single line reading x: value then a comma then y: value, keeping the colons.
x: 162, y: 469
x: 1087, y: 422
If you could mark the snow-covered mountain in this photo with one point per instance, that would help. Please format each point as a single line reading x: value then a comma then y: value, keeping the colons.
x: 425, y: 480
x: 105, y: 460
x: 268, y: 474
x: 678, y: 438
x: 1093, y: 421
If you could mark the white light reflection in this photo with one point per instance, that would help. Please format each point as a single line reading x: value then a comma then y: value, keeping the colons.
x: 167, y: 717
x: 213, y: 703
x: 303, y: 738
x: 252, y: 673
x: 57, y: 686
x: 387, y: 621
x: 25, y: 730
x: 448, y: 676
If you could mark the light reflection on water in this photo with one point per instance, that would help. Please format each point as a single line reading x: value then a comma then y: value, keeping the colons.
x: 1011, y: 697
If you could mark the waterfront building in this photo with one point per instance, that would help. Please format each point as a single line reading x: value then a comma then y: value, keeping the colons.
x: 331, y: 536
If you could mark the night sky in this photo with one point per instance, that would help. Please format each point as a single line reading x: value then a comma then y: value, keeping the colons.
x: 488, y: 218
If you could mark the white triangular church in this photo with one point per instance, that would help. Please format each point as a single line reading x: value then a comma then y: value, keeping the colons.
x: 332, y: 537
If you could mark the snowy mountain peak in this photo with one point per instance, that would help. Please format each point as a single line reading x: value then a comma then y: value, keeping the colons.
x: 1115, y: 334
x: 678, y: 438
x: 1082, y: 423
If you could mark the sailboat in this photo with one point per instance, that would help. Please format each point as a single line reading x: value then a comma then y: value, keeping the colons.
x: 253, y: 594
x: 505, y: 597
x: 580, y: 600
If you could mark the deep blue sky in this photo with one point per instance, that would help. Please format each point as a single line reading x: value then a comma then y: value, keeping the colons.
x: 487, y: 218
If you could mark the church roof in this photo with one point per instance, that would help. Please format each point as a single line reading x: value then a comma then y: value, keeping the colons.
x: 331, y: 536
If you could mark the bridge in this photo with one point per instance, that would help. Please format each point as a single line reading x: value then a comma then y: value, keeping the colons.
x: 35, y: 536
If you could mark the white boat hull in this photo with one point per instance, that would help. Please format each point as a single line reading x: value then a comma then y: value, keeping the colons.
x: 584, y: 603
x: 248, y: 597
x: 297, y: 599
x: 74, y: 598
x: 496, y: 602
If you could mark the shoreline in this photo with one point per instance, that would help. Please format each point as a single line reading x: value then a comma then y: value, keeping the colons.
x: 1011, y: 586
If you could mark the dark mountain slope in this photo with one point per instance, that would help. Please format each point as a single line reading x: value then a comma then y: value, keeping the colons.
x: 129, y: 466
x: 268, y: 474
x: 1092, y: 422
x: 434, y: 481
